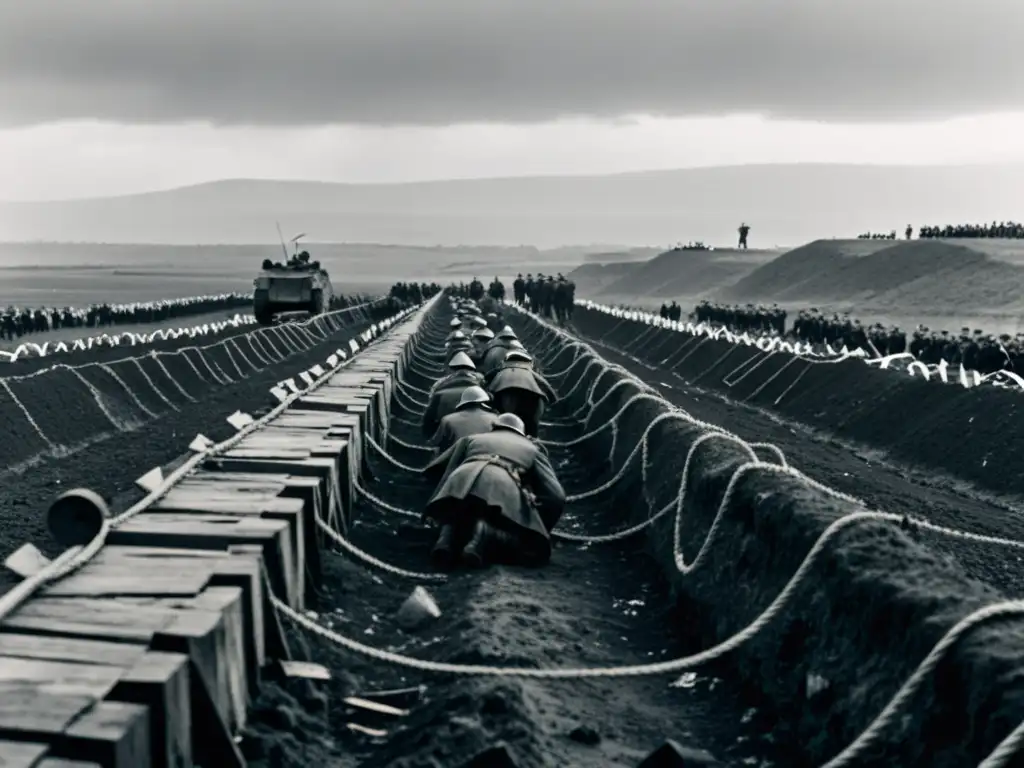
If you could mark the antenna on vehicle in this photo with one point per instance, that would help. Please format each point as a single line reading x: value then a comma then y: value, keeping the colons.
x: 295, y: 240
x: 281, y: 237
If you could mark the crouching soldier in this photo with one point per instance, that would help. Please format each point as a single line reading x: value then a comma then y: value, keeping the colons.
x: 472, y: 416
x: 517, y: 388
x: 497, y: 501
x: 445, y: 395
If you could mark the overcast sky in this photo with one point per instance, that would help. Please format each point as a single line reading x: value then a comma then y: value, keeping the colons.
x: 112, y: 96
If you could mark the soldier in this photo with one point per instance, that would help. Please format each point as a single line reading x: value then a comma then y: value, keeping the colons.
x: 744, y: 230
x: 496, y: 290
x: 517, y: 388
x: 519, y: 290
x: 472, y: 416
x: 459, y: 343
x: 476, y: 290
x: 445, y: 394
x: 498, y: 500
x: 495, y: 351
x: 909, y: 231
x: 481, y: 338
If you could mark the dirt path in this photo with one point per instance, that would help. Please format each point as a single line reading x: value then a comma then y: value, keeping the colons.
x: 853, y: 469
x: 593, y: 606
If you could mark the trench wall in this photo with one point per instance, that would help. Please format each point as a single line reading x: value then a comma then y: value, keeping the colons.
x: 53, y: 408
x: 866, y: 610
x: 975, y: 434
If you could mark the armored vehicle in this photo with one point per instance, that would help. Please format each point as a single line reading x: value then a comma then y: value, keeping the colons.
x: 295, y: 286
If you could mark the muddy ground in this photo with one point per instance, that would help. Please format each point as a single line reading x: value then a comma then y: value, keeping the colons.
x: 593, y: 606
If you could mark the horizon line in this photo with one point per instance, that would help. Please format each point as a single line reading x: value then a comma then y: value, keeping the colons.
x: 528, y: 177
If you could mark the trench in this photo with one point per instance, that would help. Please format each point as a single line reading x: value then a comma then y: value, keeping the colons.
x: 600, y: 606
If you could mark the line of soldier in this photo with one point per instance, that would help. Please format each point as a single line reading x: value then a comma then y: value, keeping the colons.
x: 414, y: 293
x: 552, y: 297
x: 746, y: 317
x: 1010, y: 230
x: 975, y: 350
x: 497, y: 495
x: 16, y: 322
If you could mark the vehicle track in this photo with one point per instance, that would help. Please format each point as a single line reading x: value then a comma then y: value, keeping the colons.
x: 113, y: 460
x: 857, y: 471
x: 593, y: 606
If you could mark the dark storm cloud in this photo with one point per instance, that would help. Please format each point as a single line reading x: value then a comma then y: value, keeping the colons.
x: 279, y: 62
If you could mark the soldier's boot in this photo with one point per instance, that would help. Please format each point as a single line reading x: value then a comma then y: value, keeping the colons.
x: 488, y: 543
x: 442, y: 557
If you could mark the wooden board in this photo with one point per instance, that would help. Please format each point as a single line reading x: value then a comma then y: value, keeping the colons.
x: 150, y: 653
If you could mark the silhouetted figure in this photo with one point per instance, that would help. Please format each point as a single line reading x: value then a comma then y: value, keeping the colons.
x: 744, y: 230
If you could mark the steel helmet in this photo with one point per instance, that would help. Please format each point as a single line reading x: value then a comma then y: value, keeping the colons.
x: 472, y: 396
x: 458, y: 335
x: 511, y: 422
x: 517, y: 354
x: 477, y: 320
x: 507, y: 333
x: 461, y: 360
x: 455, y: 322
x: 483, y: 333
x: 516, y: 344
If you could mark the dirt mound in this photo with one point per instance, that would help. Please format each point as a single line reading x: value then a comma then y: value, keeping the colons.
x: 917, y: 274
x: 942, y: 428
x: 591, y: 279
x: 633, y: 254
x: 675, y: 274
x: 871, y: 606
x: 102, y: 426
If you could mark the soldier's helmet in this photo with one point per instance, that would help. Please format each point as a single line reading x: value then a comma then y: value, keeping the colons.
x: 507, y: 333
x: 516, y: 344
x: 483, y: 333
x: 477, y: 320
x: 455, y: 323
x: 510, y: 422
x: 460, y: 360
x: 456, y: 335
x: 517, y: 355
x: 473, y: 396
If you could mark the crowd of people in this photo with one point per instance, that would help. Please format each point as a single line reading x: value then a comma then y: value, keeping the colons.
x: 997, y: 229
x: 975, y: 350
x: 552, y: 296
x: 413, y: 293
x: 16, y: 322
x: 497, y: 495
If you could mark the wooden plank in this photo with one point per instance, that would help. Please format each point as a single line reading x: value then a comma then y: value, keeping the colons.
x: 215, y: 532
x: 112, y: 733
x: 18, y: 754
x: 98, y: 619
x: 230, y: 569
x: 160, y: 682
x: 214, y: 631
x: 289, y: 510
x: 100, y: 652
x: 327, y: 469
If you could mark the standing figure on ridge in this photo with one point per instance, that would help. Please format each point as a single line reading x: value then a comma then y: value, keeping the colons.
x: 744, y: 230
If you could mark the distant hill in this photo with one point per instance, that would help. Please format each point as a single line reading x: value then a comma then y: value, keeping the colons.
x: 675, y: 274
x: 784, y: 204
x: 918, y: 275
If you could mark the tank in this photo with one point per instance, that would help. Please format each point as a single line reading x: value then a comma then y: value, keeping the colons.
x: 298, y: 286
